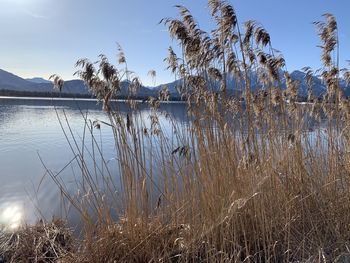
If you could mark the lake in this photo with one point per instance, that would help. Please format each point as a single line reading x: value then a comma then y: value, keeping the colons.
x: 29, y: 131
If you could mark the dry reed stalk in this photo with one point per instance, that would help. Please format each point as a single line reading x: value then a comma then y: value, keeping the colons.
x: 246, y: 180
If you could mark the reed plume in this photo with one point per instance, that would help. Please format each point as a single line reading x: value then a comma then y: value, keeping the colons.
x: 254, y: 176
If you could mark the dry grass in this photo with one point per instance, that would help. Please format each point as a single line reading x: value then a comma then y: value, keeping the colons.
x: 254, y: 177
x: 39, y: 243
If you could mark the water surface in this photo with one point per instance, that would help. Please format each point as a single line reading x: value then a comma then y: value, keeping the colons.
x: 30, y: 130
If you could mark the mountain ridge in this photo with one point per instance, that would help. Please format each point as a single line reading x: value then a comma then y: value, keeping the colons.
x: 38, y: 80
x: 12, y: 82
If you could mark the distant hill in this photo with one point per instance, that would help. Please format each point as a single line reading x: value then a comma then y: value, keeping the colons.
x: 38, y: 80
x: 9, y: 81
x: 318, y: 87
x: 13, y: 83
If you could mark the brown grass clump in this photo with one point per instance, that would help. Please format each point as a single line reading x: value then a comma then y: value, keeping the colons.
x: 39, y: 243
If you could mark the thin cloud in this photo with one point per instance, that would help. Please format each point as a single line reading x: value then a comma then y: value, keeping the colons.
x: 35, y: 15
x: 150, y: 31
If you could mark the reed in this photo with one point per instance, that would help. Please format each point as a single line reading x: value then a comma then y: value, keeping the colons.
x: 255, y: 176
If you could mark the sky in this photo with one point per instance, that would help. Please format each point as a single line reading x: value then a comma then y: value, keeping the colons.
x: 39, y: 38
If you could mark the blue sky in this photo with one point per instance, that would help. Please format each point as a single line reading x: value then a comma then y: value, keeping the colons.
x: 42, y: 37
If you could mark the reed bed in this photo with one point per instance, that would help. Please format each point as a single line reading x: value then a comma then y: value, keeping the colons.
x: 255, y: 176
x: 39, y: 243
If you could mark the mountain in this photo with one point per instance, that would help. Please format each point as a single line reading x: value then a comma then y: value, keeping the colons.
x: 172, y: 87
x: 38, y: 80
x: 11, y: 82
x: 318, y: 86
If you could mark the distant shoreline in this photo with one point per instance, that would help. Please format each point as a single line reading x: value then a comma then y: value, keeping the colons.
x: 66, y: 96
x: 53, y: 94
x: 73, y: 99
x: 44, y: 98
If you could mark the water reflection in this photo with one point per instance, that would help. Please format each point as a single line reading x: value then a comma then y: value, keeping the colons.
x: 11, y: 216
x: 29, y: 127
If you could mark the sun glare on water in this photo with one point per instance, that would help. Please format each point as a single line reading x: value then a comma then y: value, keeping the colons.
x: 11, y: 216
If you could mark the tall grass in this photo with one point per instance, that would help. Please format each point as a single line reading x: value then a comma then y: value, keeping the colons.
x: 254, y: 177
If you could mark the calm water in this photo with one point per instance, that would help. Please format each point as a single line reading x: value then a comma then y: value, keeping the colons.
x: 29, y: 128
